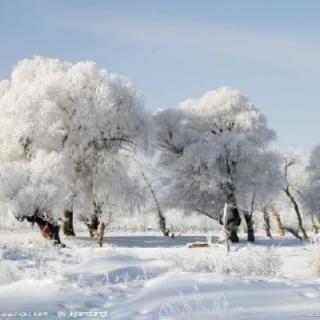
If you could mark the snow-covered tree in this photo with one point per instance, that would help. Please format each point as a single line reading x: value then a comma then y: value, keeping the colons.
x: 151, y: 184
x: 311, y: 190
x: 295, y: 177
x: 212, y: 149
x: 77, y: 110
x: 257, y: 183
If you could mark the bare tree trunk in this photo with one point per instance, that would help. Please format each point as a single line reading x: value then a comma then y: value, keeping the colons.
x: 231, y: 220
x: 294, y: 232
x: 162, y: 218
x: 277, y: 218
x: 266, y: 219
x: 248, y: 217
x: 233, y: 224
x: 100, y: 233
x: 249, y: 222
x: 67, y: 223
x: 92, y: 225
x: 297, y: 211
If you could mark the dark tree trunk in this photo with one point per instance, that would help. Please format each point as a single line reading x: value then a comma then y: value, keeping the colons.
x: 92, y: 225
x: 231, y: 222
x: 233, y: 236
x: 266, y: 219
x: 233, y: 219
x: 67, y: 224
x: 249, y: 222
x: 49, y: 230
x: 93, y: 222
x: 162, y: 224
x: 297, y: 211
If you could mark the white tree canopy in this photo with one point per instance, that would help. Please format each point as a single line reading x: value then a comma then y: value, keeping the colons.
x: 215, y: 149
x: 311, y: 190
x: 34, y: 186
x: 83, y: 113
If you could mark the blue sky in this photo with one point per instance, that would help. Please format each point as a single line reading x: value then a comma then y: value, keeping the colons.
x: 173, y: 50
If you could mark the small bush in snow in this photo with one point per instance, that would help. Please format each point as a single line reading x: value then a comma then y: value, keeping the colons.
x: 23, y: 253
x: 245, y: 262
x: 9, y: 272
x: 194, y: 309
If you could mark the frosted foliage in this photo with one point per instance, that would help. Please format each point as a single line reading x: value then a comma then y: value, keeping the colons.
x: 54, y: 103
x: 36, y: 185
x: 294, y: 167
x: 4, y: 87
x: 214, y: 147
x: 227, y: 110
x: 311, y: 188
x: 259, y: 179
x: 80, y: 113
x: 314, y: 164
x: 245, y: 262
x: 113, y: 188
x: 296, y: 162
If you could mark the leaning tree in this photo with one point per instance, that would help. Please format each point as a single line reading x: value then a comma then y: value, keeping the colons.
x: 294, y: 165
x: 205, y: 145
x: 79, y: 111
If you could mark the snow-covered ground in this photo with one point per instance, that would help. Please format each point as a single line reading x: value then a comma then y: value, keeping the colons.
x: 146, y: 276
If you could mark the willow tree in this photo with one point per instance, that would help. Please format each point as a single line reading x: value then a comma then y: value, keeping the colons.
x: 205, y: 145
x: 79, y: 111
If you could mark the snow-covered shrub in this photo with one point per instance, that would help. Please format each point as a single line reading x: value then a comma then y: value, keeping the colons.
x: 245, y: 262
x: 24, y: 257
x: 9, y: 272
x: 29, y: 257
x: 195, y: 309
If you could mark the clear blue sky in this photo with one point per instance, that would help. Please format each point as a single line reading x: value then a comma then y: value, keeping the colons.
x: 175, y: 49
